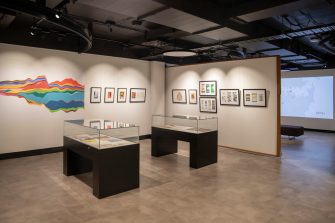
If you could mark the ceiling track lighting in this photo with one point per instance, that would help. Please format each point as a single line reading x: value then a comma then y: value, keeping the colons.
x: 52, y: 16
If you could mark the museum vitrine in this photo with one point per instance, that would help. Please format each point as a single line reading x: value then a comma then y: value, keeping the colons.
x: 101, y: 134
x: 200, y: 132
x: 186, y: 123
x: 107, y: 148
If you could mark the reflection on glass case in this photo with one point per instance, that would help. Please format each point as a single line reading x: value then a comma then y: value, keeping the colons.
x: 101, y: 134
x: 186, y: 123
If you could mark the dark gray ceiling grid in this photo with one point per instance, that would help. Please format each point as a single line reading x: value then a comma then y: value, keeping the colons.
x: 301, y: 32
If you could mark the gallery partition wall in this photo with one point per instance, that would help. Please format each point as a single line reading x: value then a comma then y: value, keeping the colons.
x: 243, y: 94
x: 40, y: 88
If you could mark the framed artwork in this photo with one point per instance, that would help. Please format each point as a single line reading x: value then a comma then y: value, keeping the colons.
x: 192, y: 96
x: 137, y: 95
x: 230, y: 97
x: 208, y: 104
x: 179, y: 96
x: 95, y: 124
x: 95, y: 96
x: 109, y: 94
x: 108, y: 124
x: 207, y: 88
x: 254, y: 97
x: 122, y: 95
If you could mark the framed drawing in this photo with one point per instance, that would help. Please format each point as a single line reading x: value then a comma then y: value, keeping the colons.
x: 208, y: 104
x: 192, y: 96
x: 95, y: 96
x: 122, y: 95
x: 95, y: 124
x: 109, y: 94
x: 108, y: 124
x: 137, y: 95
x: 207, y: 88
x: 230, y: 97
x: 254, y: 97
x: 179, y: 96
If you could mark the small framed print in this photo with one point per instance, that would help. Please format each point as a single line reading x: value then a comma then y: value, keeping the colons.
x: 208, y: 104
x: 192, y: 96
x: 230, y: 97
x: 108, y: 124
x: 95, y: 124
x: 109, y: 94
x: 179, y: 96
x: 207, y: 88
x: 254, y: 97
x: 95, y: 96
x: 137, y: 95
x: 122, y: 95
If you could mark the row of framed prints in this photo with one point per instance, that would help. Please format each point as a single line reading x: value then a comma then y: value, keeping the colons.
x: 252, y: 97
x: 231, y: 97
x: 137, y: 95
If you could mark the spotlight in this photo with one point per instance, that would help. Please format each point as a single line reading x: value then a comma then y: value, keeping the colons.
x: 57, y: 15
x: 32, y: 32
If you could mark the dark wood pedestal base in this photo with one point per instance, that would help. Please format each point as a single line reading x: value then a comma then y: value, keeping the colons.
x: 115, y: 170
x: 203, y: 146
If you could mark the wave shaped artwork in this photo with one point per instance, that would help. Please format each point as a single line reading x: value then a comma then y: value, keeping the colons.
x: 66, y: 95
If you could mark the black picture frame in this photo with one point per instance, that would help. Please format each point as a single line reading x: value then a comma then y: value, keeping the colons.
x: 184, y: 92
x: 196, y: 96
x: 130, y: 95
x: 125, y: 97
x: 230, y: 89
x: 109, y: 88
x: 92, y: 94
x: 95, y: 122
x: 254, y: 104
x: 208, y: 111
x: 207, y: 95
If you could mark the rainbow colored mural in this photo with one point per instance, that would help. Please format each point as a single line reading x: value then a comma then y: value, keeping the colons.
x: 66, y: 95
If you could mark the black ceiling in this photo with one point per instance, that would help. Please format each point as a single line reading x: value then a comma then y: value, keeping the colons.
x: 302, y: 32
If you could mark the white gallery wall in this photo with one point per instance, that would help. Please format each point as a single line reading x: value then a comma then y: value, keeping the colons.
x: 25, y: 126
x: 311, y: 123
x: 247, y: 128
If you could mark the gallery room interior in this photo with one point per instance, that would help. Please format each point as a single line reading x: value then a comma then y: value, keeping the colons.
x: 167, y: 111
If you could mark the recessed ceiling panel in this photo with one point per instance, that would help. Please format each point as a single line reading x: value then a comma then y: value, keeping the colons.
x: 180, y: 20
x: 132, y: 8
x: 299, y: 57
x: 199, y: 39
x: 306, y: 61
x: 280, y: 52
x: 222, y: 34
x: 279, y: 10
x: 257, y: 46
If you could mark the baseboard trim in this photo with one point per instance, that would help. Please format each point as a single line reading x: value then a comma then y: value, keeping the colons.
x: 319, y: 130
x: 34, y: 152
x: 145, y: 137
x: 250, y: 152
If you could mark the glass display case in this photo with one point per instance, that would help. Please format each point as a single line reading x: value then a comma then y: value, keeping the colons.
x: 186, y: 123
x: 100, y: 133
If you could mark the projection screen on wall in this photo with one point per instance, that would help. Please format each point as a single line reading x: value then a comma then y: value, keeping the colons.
x: 307, y: 97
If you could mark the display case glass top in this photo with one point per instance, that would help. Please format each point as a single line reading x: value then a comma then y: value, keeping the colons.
x: 100, y: 133
x: 186, y: 123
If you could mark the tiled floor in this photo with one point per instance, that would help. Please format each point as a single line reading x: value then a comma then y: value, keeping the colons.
x: 299, y: 187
